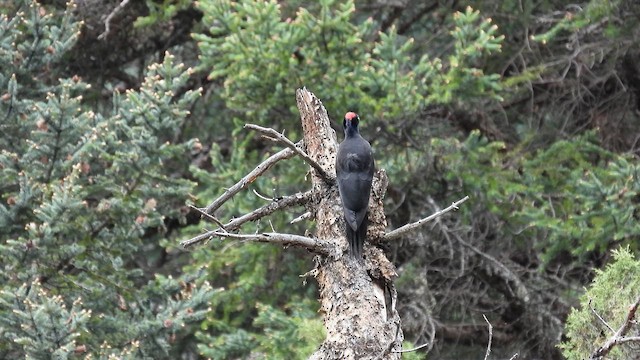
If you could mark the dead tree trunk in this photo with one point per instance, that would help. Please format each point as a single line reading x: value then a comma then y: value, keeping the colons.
x: 357, y: 298
x: 360, y: 323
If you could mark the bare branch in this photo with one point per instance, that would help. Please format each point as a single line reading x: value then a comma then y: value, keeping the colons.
x: 412, y: 349
x: 618, y: 337
x: 486, y: 355
x: 315, y: 245
x: 600, y: 317
x: 313, y: 272
x: 397, y: 233
x: 107, y: 22
x: 304, y: 216
x: 256, y: 193
x: 208, y: 216
x: 275, y: 205
x: 197, y: 239
x: 627, y: 339
x: 497, y: 267
x: 276, y: 136
x: 249, y: 178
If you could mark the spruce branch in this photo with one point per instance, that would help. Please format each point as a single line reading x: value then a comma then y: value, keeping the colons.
x: 397, y: 233
x: 619, y: 336
x: 249, y: 178
x: 273, y: 135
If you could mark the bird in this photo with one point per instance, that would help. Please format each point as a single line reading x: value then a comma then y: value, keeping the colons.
x: 354, y: 174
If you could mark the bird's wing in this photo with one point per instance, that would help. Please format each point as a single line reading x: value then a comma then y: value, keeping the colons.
x: 351, y: 217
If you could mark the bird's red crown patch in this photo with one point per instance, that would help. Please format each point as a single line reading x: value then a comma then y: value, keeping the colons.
x: 350, y: 115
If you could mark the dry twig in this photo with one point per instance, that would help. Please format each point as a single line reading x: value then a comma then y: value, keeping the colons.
x: 275, y: 205
x: 305, y: 216
x: 107, y: 21
x: 208, y: 216
x: 276, y: 136
x: 397, y: 233
x: 412, y: 349
x: 249, y: 178
x: 486, y: 355
x: 316, y: 245
x: 619, y: 336
x: 600, y: 317
x: 256, y: 193
x: 278, y: 204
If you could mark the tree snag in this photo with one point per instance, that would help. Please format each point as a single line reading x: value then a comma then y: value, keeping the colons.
x: 360, y: 324
x: 357, y: 298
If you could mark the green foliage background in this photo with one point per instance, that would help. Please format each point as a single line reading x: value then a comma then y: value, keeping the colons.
x: 612, y: 287
x: 529, y: 107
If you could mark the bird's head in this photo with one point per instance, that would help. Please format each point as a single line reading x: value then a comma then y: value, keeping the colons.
x: 350, y: 123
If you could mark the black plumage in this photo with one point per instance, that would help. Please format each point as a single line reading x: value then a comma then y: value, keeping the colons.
x: 354, y: 172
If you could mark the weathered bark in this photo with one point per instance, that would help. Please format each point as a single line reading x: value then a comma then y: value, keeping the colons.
x: 357, y: 298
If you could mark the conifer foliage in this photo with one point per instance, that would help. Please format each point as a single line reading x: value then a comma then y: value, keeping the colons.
x: 83, y: 194
x: 531, y: 108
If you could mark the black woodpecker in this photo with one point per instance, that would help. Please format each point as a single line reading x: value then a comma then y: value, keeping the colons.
x: 354, y: 172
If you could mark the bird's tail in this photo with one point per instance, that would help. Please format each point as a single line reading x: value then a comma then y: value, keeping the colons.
x: 356, y: 239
